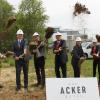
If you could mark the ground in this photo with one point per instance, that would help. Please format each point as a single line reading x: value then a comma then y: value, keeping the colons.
x: 7, y: 78
x: 8, y: 91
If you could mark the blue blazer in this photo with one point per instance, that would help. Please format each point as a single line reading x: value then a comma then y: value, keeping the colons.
x: 19, y: 50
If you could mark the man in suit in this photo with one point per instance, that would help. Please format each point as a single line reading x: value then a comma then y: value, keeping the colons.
x: 61, y: 58
x: 19, y: 49
x: 39, y: 59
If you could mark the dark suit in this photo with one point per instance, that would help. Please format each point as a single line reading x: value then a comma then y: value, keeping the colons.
x: 60, y: 58
x: 77, y: 53
x: 39, y: 62
x: 21, y: 63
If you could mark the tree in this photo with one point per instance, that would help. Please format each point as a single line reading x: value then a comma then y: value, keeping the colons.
x: 6, y: 10
x: 31, y: 17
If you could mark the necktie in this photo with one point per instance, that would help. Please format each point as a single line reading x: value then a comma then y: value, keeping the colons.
x: 58, y: 44
x: 19, y: 43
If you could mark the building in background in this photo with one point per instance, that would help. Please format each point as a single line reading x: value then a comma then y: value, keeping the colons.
x: 69, y: 35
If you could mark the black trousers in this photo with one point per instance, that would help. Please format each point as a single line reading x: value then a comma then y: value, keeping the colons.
x: 96, y: 63
x: 39, y: 69
x: 59, y: 64
x: 76, y: 68
x: 19, y: 65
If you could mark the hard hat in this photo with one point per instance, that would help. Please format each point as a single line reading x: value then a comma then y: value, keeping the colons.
x: 19, y: 32
x: 78, y: 39
x: 94, y: 40
x: 58, y: 34
x: 36, y: 34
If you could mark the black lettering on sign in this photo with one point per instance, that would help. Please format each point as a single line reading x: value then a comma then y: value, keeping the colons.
x: 62, y: 90
x: 73, y: 90
x: 78, y: 90
x: 83, y: 89
x: 68, y: 90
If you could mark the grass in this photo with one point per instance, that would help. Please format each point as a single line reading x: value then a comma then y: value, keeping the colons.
x: 86, y: 69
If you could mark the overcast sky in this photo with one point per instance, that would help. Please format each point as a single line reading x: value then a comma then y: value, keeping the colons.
x: 60, y: 14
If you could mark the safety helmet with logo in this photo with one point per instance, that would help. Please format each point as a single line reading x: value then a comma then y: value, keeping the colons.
x: 78, y: 39
x: 20, y: 32
x: 58, y: 33
x: 36, y: 34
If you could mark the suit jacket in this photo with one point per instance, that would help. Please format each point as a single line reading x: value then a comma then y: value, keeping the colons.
x: 63, y: 53
x: 97, y: 50
x: 18, y: 50
x: 77, y: 52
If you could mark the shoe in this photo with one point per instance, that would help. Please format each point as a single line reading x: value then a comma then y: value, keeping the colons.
x: 18, y: 90
x: 25, y: 91
x: 42, y: 86
x: 1, y: 86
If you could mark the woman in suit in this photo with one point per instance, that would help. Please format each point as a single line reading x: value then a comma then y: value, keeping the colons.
x: 77, y: 57
x: 96, y: 58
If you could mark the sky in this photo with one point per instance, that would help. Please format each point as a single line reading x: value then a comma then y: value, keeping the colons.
x: 60, y: 14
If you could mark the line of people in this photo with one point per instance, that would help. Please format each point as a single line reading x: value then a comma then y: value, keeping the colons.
x: 20, y: 49
x: 37, y: 48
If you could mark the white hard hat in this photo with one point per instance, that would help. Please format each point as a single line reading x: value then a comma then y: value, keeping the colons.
x: 94, y: 40
x: 58, y: 34
x: 36, y: 34
x: 19, y: 32
x: 78, y: 39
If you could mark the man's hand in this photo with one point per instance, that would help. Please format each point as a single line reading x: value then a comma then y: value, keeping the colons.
x: 16, y: 58
x: 95, y: 55
x: 56, y: 51
x: 34, y: 50
x: 60, y: 48
x: 82, y: 58
x: 25, y: 51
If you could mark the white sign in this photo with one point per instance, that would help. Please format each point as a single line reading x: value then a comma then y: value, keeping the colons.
x: 72, y: 89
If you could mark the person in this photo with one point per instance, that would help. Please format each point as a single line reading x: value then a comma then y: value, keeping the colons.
x: 77, y: 57
x: 38, y: 50
x: 96, y: 59
x: 19, y: 49
x: 59, y: 49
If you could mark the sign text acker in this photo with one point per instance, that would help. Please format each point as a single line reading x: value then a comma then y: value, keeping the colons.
x: 73, y: 90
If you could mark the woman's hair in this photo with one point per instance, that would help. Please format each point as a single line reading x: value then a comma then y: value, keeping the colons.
x: 98, y: 38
